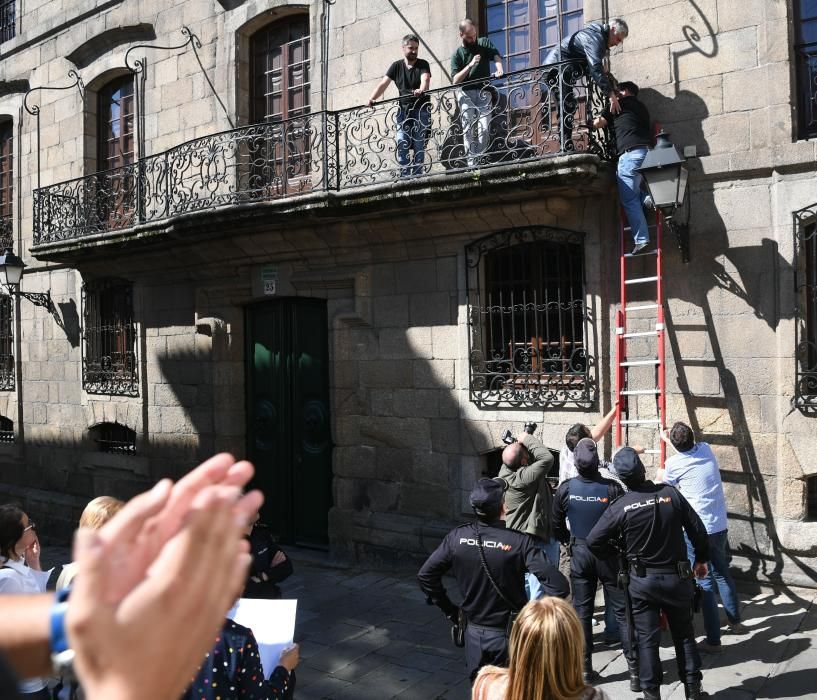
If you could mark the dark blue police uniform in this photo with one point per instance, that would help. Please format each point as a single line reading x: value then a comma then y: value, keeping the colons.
x: 652, y: 519
x: 508, y: 554
x: 581, y: 501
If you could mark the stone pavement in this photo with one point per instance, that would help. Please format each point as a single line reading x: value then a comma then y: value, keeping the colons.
x: 370, y: 636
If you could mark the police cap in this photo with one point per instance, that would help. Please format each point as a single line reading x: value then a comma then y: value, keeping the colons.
x: 628, y: 465
x: 486, y: 496
x: 586, y: 456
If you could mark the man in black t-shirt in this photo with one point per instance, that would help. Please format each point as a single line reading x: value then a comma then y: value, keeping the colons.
x: 412, y: 76
x: 632, y: 128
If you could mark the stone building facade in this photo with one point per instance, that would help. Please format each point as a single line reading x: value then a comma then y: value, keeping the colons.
x: 237, y: 260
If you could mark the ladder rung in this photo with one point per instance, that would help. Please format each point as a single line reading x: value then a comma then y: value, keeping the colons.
x: 652, y: 452
x: 651, y: 421
x: 640, y: 392
x: 644, y: 307
x: 641, y: 334
x: 638, y: 363
x: 643, y: 252
x: 641, y: 280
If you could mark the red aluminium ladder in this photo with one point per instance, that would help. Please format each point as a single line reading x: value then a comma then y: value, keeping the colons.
x: 632, y: 381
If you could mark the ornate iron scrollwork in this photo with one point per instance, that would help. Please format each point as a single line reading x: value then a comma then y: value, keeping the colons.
x: 805, y: 287
x: 528, y: 322
x: 526, y: 116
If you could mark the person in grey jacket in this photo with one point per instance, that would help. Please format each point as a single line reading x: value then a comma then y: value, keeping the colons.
x: 529, y: 501
x: 587, y: 46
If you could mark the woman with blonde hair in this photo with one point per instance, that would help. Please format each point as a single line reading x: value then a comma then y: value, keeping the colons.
x: 94, y: 516
x: 546, y: 653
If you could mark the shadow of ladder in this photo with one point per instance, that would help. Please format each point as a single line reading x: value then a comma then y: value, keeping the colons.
x: 740, y: 436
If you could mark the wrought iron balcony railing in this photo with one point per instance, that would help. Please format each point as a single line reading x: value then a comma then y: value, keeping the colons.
x: 527, y: 115
x: 806, y: 70
x: 8, y: 17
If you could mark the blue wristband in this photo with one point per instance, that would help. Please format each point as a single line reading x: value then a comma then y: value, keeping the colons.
x: 59, y: 640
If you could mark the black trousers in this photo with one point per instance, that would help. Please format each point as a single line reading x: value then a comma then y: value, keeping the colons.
x: 586, y: 570
x: 484, y: 646
x: 650, y: 594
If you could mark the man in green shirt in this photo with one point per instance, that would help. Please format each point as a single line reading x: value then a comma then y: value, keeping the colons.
x: 470, y: 66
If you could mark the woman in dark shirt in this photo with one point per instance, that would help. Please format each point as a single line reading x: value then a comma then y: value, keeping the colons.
x: 232, y: 670
x: 269, y: 565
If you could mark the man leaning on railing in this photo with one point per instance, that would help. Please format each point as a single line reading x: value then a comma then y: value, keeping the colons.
x: 412, y: 76
x: 588, y: 46
x: 469, y: 64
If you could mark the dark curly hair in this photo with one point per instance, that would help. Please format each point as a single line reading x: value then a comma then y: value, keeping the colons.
x: 576, y: 433
x: 681, y: 437
x: 11, y: 529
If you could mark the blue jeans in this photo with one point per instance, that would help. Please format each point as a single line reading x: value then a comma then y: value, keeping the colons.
x: 532, y: 586
x: 718, y: 580
x: 412, y: 132
x: 629, y: 192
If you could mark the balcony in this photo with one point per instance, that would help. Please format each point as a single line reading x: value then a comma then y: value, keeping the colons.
x: 529, y: 115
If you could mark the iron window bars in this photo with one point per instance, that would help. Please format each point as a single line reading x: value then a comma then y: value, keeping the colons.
x: 805, y: 54
x: 528, y: 321
x: 8, y: 19
x: 531, y: 114
x: 7, y: 373
x: 114, y: 438
x: 109, y: 363
x: 805, y: 295
x: 6, y: 430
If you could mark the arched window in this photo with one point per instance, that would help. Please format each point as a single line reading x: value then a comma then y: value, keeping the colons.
x: 114, y: 438
x: 525, y: 31
x: 279, y: 60
x: 116, y: 151
x: 6, y: 183
x: 279, y: 97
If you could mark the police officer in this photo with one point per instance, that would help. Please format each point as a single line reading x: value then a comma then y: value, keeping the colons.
x: 652, y: 519
x: 269, y: 565
x: 581, y: 501
x: 488, y: 562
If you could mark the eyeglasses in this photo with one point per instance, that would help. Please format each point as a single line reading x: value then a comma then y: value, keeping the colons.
x: 31, y: 526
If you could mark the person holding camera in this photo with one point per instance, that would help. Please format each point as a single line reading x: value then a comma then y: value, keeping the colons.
x: 526, y: 463
x: 651, y: 519
x: 488, y: 562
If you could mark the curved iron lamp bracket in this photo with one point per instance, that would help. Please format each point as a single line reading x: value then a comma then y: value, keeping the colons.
x: 34, y: 110
x: 139, y: 63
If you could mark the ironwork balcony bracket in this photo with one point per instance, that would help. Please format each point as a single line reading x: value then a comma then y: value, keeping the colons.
x: 38, y: 299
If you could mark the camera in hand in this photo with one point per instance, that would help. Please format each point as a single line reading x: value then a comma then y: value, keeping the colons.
x: 508, y: 437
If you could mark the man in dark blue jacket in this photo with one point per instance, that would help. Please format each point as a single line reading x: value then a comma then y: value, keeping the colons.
x: 489, y: 563
x: 581, y: 501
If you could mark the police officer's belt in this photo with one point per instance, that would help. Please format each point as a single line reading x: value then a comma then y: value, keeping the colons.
x: 485, y: 628
x: 634, y: 568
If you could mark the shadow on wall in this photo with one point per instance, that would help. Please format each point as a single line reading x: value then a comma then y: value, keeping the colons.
x: 54, y: 478
x: 724, y: 271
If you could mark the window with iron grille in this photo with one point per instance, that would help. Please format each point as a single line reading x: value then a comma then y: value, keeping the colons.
x: 527, y: 318
x: 805, y: 54
x: 811, y: 497
x: 109, y: 360
x: 525, y: 31
x: 6, y: 430
x: 6, y: 344
x: 114, y: 438
x: 805, y: 281
x: 6, y: 183
x: 8, y: 19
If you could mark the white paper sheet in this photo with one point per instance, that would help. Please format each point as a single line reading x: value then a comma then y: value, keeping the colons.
x: 273, y: 624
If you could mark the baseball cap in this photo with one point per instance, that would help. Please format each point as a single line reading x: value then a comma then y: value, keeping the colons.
x: 586, y: 455
x: 627, y: 463
x: 486, y: 496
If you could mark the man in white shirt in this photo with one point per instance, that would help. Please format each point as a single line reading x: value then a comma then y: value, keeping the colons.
x: 694, y: 471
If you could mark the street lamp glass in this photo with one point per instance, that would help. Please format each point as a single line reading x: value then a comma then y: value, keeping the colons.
x: 11, y: 268
x: 665, y: 173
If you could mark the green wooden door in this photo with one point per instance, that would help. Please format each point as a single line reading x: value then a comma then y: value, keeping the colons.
x: 288, y: 427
